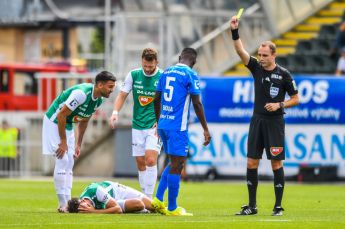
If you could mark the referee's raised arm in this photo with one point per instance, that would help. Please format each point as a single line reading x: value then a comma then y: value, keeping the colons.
x: 243, y: 54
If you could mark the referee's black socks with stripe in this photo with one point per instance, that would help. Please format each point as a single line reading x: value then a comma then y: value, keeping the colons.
x: 279, y: 183
x: 252, y: 184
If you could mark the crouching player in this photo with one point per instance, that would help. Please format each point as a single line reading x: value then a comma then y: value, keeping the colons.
x: 110, y: 197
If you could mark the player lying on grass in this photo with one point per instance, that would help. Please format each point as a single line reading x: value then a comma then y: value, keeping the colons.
x: 110, y: 197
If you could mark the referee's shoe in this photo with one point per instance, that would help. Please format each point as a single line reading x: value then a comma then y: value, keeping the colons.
x: 277, y: 211
x: 247, y: 210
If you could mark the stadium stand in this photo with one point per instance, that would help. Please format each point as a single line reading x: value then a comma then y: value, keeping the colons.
x: 306, y: 48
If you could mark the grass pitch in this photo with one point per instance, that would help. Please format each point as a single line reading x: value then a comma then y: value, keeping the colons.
x: 32, y: 204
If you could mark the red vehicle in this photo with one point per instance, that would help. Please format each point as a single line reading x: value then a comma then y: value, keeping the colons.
x: 20, y: 89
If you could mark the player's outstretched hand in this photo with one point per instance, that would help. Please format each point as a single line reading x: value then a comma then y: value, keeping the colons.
x: 207, y: 138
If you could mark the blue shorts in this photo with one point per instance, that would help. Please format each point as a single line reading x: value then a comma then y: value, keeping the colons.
x: 175, y: 142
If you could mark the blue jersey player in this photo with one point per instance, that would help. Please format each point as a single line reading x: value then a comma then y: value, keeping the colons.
x: 177, y: 87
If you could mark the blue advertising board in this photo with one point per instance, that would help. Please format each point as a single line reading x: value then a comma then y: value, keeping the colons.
x: 230, y: 100
x: 315, y: 130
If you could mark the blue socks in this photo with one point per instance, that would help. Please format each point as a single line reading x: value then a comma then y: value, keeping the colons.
x: 163, y: 183
x: 174, y: 187
x: 172, y: 182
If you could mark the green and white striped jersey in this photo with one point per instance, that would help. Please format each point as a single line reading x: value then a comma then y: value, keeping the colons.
x: 99, y: 193
x: 143, y: 88
x: 79, y: 99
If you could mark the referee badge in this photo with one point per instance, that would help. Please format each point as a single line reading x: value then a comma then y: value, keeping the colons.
x: 274, y: 91
x: 275, y: 151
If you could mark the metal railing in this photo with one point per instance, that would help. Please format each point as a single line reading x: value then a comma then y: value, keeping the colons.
x: 29, y: 160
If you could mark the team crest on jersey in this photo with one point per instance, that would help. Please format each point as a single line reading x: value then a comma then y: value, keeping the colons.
x: 276, y: 150
x: 144, y: 100
x: 274, y: 91
x: 156, y: 83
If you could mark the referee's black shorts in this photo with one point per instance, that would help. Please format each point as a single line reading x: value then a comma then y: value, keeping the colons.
x: 266, y: 132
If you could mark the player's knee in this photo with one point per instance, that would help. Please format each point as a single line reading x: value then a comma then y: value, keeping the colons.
x: 61, y: 164
x: 176, y: 168
x: 70, y: 165
x: 138, y: 205
x: 276, y: 164
x: 252, y: 164
x: 150, y: 161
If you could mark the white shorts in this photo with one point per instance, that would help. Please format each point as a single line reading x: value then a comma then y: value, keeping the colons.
x: 143, y: 140
x: 123, y: 193
x: 51, y: 138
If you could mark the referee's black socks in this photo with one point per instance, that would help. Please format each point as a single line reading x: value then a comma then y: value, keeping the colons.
x: 279, y: 183
x: 252, y: 184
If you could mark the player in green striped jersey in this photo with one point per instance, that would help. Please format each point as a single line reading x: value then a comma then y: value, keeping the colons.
x: 145, y: 145
x: 74, y: 105
x: 110, y: 197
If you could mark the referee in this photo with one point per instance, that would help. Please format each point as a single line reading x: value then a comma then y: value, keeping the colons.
x: 267, y: 126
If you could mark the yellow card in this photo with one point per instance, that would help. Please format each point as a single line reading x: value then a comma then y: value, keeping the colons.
x: 239, y: 14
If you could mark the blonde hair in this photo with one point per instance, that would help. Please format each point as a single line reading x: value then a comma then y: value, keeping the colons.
x: 271, y: 45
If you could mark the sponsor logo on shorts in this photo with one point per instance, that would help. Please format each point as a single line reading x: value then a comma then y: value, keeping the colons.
x: 275, y: 151
x: 145, y: 100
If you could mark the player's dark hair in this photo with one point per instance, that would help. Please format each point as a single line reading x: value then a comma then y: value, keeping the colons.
x: 189, y: 53
x: 149, y: 54
x: 188, y: 57
x: 105, y: 76
x: 73, y: 205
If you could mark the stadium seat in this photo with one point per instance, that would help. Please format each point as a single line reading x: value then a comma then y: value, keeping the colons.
x: 322, y: 46
x: 283, y: 61
x: 301, y: 64
x: 305, y: 47
x: 323, y: 64
x: 328, y: 31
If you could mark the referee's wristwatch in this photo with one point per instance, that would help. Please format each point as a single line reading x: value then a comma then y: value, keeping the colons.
x: 281, y: 105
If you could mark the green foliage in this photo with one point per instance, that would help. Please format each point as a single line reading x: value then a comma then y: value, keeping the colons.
x: 98, y: 41
x: 32, y: 204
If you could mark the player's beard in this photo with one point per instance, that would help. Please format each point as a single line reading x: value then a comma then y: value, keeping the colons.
x: 105, y: 94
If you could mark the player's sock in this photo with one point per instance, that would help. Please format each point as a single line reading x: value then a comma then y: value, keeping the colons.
x: 141, y: 176
x: 69, y: 182
x: 279, y: 183
x: 252, y: 184
x: 150, y: 180
x: 62, y: 200
x: 60, y: 180
x: 163, y: 183
x: 173, y: 190
x: 69, y: 176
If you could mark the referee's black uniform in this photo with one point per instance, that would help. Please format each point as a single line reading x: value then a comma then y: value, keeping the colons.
x: 267, y: 126
x: 267, y: 129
